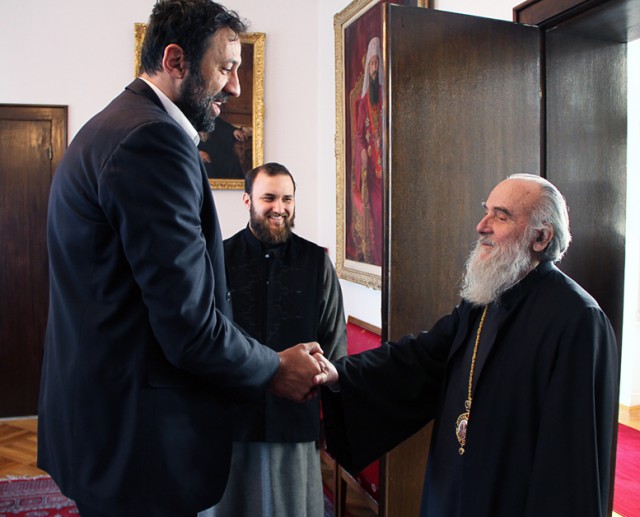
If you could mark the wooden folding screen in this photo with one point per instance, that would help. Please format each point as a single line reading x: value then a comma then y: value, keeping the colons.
x: 464, y: 105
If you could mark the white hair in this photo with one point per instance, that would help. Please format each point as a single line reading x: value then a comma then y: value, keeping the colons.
x: 551, y: 210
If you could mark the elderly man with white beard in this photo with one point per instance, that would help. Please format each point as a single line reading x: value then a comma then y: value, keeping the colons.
x: 520, y: 379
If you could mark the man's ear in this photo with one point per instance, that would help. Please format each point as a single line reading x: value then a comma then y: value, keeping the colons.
x: 543, y: 239
x: 246, y: 199
x: 174, y: 61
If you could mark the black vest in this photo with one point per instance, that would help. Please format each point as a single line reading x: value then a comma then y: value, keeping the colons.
x: 276, y: 295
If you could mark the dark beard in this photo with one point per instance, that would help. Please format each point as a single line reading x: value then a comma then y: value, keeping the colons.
x: 195, y: 102
x: 374, y: 89
x: 264, y: 233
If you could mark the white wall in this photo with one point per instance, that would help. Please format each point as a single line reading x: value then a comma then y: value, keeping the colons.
x: 630, y: 371
x: 79, y: 53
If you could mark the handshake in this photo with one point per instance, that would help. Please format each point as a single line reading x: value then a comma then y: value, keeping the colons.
x: 302, y: 369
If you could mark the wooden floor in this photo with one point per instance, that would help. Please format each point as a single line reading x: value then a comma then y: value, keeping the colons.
x: 18, y: 446
x: 630, y: 417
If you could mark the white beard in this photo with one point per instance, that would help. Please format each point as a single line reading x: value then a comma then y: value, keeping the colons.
x: 485, y: 279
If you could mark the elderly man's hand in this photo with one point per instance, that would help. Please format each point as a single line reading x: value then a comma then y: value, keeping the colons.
x: 295, y: 378
x: 328, y: 375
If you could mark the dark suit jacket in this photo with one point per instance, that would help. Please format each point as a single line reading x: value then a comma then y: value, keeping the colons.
x: 141, y: 359
x: 542, y: 422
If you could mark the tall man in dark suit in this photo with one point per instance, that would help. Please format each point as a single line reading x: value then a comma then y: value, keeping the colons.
x: 142, y: 361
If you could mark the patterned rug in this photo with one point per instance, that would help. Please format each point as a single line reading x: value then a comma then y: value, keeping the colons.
x: 626, y: 495
x: 40, y: 497
x: 328, y: 502
x: 34, y: 497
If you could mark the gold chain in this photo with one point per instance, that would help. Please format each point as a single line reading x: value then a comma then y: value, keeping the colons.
x: 463, y: 419
x: 473, y: 358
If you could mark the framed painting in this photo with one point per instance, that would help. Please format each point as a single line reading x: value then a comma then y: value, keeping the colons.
x: 361, y: 133
x: 237, y: 143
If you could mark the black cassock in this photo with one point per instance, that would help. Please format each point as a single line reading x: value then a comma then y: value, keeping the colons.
x: 540, y: 430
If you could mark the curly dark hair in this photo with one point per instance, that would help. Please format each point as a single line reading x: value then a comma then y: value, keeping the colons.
x: 187, y: 23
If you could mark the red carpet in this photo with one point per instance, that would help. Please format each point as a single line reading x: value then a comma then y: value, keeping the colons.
x: 27, y: 497
x: 626, y: 496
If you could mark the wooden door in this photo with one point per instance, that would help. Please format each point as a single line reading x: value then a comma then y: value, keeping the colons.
x: 586, y: 132
x: 586, y: 144
x: 32, y: 140
x: 465, y: 112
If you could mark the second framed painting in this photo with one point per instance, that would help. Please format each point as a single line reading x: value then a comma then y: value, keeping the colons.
x: 361, y: 134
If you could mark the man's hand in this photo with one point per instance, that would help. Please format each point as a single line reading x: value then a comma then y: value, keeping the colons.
x: 297, y: 372
x: 240, y: 135
x: 328, y: 374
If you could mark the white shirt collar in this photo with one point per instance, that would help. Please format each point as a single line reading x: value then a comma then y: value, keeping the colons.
x: 175, y: 113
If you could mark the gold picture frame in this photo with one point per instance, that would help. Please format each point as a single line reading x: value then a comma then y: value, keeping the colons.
x: 245, y: 112
x: 361, y: 134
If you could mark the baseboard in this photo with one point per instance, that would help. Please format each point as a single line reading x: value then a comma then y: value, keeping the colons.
x: 629, y: 411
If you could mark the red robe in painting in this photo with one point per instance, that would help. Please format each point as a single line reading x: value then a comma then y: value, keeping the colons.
x: 367, y: 192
